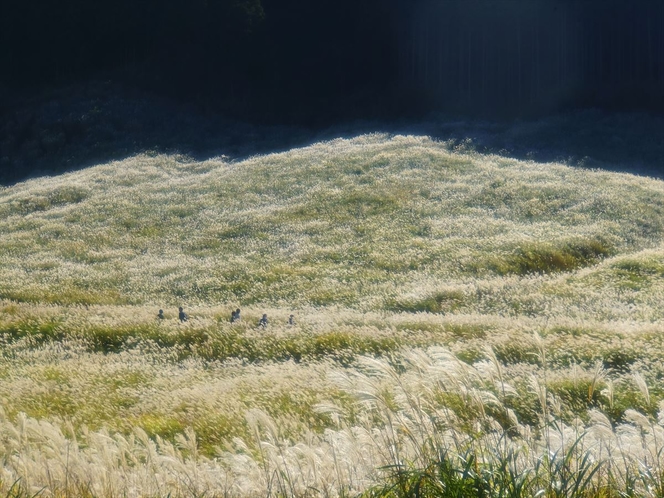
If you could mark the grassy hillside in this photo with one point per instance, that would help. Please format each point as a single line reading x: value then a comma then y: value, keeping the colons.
x: 449, y: 306
x: 373, y: 223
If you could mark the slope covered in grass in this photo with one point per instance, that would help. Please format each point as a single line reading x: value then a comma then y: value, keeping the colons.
x: 463, y: 321
x: 372, y: 223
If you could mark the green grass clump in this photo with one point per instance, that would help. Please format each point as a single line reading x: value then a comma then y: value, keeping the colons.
x: 340, y: 346
x: 45, y: 200
x: 37, y: 332
x: 211, y: 343
x: 164, y: 426
x: 466, y: 331
x: 551, y: 258
x: 442, y: 478
x: 620, y: 360
x: 494, y: 474
x: 78, y: 294
x: 512, y: 352
x: 636, y: 274
x: 578, y: 395
x: 439, y: 302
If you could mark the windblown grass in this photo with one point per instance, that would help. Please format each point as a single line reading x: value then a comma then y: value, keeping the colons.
x: 466, y: 325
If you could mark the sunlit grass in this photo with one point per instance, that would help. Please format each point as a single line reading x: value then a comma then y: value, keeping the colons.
x: 463, y: 322
x: 343, y: 223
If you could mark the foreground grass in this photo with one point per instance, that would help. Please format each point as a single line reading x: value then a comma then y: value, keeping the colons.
x: 466, y: 325
x: 482, y: 406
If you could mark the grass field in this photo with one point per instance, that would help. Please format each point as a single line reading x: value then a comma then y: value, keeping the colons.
x: 466, y: 325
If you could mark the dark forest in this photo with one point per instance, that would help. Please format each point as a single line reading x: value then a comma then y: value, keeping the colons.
x: 297, y: 62
x: 296, y: 57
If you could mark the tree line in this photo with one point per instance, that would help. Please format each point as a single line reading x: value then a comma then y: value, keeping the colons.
x: 300, y: 59
x: 538, y: 56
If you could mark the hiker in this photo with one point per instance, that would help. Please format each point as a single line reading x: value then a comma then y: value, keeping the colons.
x: 291, y: 320
x: 237, y: 315
x: 160, y: 315
x: 182, y: 315
x: 233, y: 316
x: 263, y: 321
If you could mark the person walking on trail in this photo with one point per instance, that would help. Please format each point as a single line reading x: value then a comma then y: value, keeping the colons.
x: 263, y: 321
x: 237, y: 315
x: 291, y: 320
x: 160, y: 315
x: 182, y: 315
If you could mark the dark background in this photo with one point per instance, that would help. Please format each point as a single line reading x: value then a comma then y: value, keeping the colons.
x: 85, y: 80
